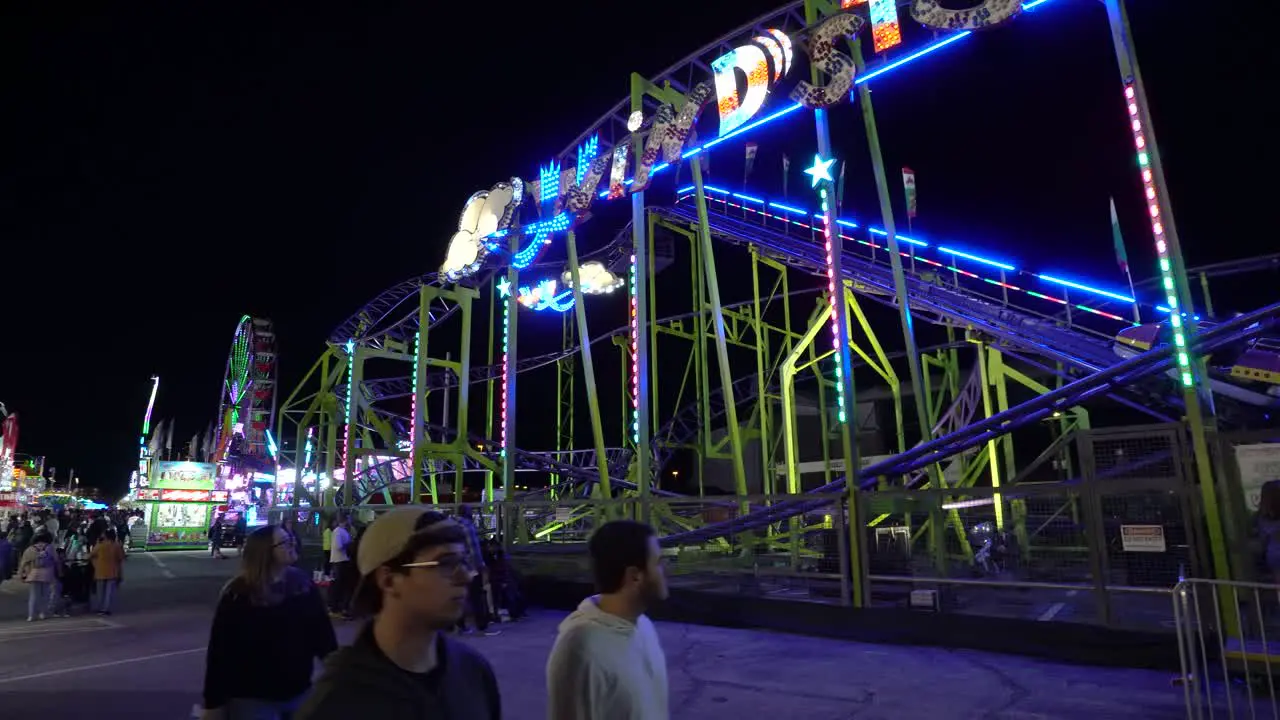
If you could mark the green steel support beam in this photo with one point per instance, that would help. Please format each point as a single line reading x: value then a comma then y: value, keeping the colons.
x: 463, y: 298
x: 846, y: 393
x: 419, y: 410
x: 790, y: 437
x: 895, y: 258
x: 722, y: 350
x: 488, y: 385
x: 1196, y: 394
x: 589, y: 372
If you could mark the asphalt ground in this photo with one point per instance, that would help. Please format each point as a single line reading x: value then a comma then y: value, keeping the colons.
x: 146, y: 662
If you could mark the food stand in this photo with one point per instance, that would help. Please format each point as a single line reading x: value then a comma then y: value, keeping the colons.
x: 178, y: 504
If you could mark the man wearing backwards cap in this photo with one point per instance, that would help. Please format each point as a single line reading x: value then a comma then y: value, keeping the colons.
x: 414, y: 575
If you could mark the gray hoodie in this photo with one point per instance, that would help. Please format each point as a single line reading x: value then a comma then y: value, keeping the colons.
x: 603, y: 667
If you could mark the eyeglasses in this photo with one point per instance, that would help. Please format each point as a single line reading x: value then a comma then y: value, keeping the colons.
x: 448, y: 565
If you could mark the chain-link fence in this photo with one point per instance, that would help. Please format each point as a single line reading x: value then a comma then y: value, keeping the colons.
x: 1104, y: 546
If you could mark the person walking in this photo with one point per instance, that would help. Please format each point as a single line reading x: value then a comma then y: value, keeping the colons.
x: 215, y: 537
x: 478, y: 596
x: 269, y: 598
x: 414, y: 575
x: 108, y: 569
x: 38, y: 568
x: 326, y: 548
x: 344, y: 572
x: 607, y: 662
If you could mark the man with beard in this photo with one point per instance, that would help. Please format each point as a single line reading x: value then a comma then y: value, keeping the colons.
x: 414, y: 573
x: 607, y: 663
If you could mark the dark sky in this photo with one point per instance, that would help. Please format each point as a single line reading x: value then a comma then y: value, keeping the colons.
x: 172, y: 166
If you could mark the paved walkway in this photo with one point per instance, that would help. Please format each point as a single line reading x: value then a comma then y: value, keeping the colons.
x: 147, y: 661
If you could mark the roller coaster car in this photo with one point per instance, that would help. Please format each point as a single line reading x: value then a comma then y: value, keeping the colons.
x: 1247, y: 371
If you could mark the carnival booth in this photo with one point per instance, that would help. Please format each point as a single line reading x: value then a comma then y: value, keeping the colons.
x: 179, y: 505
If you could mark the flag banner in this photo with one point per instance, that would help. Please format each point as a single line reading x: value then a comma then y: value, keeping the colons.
x: 1121, y: 256
x: 786, y: 170
x: 751, y: 161
x: 840, y: 189
x: 909, y: 186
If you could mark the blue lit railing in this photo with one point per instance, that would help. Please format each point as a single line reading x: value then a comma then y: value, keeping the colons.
x: 945, y: 259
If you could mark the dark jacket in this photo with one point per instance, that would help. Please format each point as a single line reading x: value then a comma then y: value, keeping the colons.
x: 267, y: 652
x: 359, y: 681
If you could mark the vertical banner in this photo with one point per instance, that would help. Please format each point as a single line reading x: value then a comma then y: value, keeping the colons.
x: 751, y: 160
x: 786, y: 170
x: 840, y: 189
x: 909, y: 187
x: 1121, y: 256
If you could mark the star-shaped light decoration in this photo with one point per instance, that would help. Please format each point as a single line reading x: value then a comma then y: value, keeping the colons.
x: 821, y: 170
x: 504, y: 288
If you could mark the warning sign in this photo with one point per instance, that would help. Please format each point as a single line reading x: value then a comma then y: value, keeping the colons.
x: 1142, y: 538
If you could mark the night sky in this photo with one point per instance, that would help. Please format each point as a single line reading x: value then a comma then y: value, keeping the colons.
x: 169, y: 167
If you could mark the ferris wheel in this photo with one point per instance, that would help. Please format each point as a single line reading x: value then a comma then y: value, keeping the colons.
x: 247, y: 400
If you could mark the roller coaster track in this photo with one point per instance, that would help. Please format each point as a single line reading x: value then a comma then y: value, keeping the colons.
x: 1151, y: 363
x: 1081, y: 350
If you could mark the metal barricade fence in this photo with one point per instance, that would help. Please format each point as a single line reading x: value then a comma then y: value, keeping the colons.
x: 1229, y: 647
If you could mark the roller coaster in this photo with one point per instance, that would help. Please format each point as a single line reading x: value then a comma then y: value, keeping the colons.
x: 760, y: 405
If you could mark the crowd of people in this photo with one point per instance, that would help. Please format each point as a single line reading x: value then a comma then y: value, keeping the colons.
x: 417, y: 575
x: 65, y: 558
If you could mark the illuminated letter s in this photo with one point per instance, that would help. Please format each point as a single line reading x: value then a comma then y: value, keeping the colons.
x: 824, y: 56
x: 990, y: 12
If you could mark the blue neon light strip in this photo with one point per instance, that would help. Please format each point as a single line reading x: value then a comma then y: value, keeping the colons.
x: 1086, y: 288
x: 903, y: 238
x: 975, y: 258
x: 780, y: 206
x: 747, y: 198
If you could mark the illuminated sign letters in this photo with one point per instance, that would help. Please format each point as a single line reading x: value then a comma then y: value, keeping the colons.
x: 763, y: 63
x: 838, y: 66
x: 930, y: 13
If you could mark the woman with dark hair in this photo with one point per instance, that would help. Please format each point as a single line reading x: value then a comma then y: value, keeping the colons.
x: 268, y: 630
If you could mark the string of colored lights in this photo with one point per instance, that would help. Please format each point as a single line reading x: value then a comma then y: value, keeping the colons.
x: 504, y: 291
x: 413, y: 403
x: 722, y: 196
x: 635, y: 357
x: 346, y: 428
x: 821, y: 173
x: 1157, y: 229
x: 238, y: 366
x: 306, y: 457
